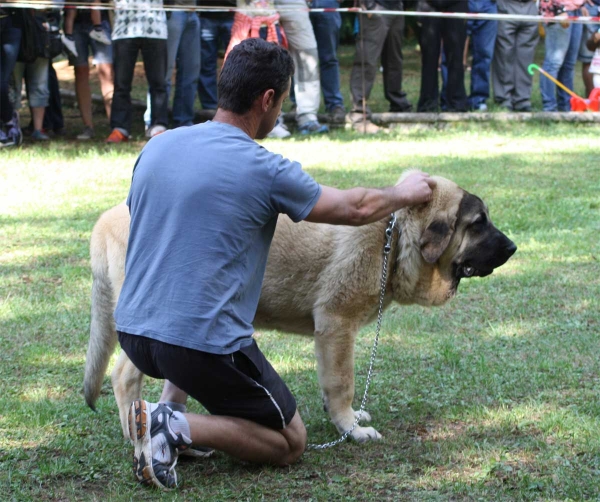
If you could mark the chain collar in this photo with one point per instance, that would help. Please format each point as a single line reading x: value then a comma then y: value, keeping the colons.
x: 389, y: 232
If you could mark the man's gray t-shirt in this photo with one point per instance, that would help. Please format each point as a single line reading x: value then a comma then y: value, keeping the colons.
x: 204, y: 202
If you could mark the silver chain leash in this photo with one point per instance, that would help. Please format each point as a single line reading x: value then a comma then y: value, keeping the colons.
x: 386, y: 251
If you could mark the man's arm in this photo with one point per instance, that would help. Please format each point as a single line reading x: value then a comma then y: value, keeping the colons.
x: 359, y: 206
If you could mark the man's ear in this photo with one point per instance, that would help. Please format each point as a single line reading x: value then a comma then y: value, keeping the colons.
x: 436, y: 238
x: 268, y: 100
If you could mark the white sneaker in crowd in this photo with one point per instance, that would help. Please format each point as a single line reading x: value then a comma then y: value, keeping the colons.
x: 98, y: 35
x: 280, y: 131
x: 69, y: 44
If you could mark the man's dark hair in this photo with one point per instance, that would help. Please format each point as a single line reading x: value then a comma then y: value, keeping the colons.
x: 252, y: 67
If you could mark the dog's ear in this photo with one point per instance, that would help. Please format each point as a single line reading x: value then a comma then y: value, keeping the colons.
x: 436, y: 238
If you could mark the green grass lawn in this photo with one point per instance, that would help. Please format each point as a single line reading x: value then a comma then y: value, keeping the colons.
x: 493, y: 396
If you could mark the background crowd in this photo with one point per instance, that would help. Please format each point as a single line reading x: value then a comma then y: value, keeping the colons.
x: 184, y: 46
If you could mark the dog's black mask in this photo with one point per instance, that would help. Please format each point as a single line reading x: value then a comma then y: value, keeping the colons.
x: 488, y: 248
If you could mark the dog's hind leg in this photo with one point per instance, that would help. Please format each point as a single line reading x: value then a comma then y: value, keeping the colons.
x: 127, y: 385
x: 334, y: 349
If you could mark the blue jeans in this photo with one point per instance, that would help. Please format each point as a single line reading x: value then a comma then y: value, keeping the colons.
x: 10, y: 40
x: 214, y: 33
x: 562, y: 47
x: 154, y: 55
x: 483, y: 38
x: 326, y: 26
x: 183, y: 48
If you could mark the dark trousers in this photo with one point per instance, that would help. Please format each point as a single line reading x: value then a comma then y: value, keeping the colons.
x: 53, y: 116
x: 154, y: 55
x: 10, y: 39
x: 452, y: 33
x: 381, y: 37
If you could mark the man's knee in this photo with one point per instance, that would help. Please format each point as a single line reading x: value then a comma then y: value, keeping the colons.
x: 295, y: 434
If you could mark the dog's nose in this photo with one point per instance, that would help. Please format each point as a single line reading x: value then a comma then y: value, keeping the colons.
x: 511, y: 248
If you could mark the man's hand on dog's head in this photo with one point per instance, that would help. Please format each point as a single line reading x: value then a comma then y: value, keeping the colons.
x: 416, y: 188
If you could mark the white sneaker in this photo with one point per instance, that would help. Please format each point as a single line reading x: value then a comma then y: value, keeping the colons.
x: 69, y: 45
x: 99, y: 36
x: 156, y: 445
x: 280, y: 131
x: 155, y: 130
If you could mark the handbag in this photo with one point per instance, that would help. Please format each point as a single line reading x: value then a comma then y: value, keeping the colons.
x: 49, y: 43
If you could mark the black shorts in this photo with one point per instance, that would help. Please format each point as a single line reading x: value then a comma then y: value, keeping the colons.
x: 242, y: 384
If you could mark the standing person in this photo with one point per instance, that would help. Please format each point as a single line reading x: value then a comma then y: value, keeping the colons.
x: 87, y: 34
x: 215, y: 32
x: 183, y: 52
x: 10, y: 40
x: 513, y: 53
x: 452, y: 34
x: 191, y: 290
x: 585, y: 55
x: 482, y: 33
x: 140, y: 25
x: 326, y: 26
x: 35, y: 70
x: 303, y: 48
x: 378, y: 37
x: 562, y: 42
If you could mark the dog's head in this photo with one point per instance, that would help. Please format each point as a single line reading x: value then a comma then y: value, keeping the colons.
x: 456, y: 240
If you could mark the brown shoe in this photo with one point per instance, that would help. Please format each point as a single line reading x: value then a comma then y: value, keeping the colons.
x: 365, y: 127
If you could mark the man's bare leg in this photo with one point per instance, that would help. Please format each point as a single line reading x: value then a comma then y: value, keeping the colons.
x: 248, y: 440
x: 173, y: 394
x: 241, y: 438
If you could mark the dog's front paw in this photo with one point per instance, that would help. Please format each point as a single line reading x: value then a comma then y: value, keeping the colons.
x: 362, y: 416
x: 364, y: 434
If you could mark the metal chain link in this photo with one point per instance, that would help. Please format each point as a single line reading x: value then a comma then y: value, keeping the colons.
x: 386, y: 251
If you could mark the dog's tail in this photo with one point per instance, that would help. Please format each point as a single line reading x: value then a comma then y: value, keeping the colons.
x: 107, y: 250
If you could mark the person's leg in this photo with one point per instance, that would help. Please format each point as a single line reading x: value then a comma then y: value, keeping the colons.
x: 503, y: 61
x: 303, y: 49
x: 585, y: 55
x: 106, y: 75
x: 10, y: 39
x: 326, y: 26
x: 209, y: 48
x: 188, y: 71
x: 527, y: 40
x: 154, y: 54
x: 175, y: 27
x: 369, y: 45
x: 53, y: 118
x: 254, y: 415
x: 483, y: 37
x: 84, y: 94
x: 249, y: 441
x: 39, y: 94
x: 430, y: 52
x: 125, y: 53
x: 556, y: 45
x: 566, y: 74
x: 392, y: 62
x: 454, y: 32
x: 103, y: 59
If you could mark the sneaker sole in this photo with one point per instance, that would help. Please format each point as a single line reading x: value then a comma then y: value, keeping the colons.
x: 140, y: 435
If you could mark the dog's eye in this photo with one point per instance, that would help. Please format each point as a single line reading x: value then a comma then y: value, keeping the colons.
x: 481, y: 220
